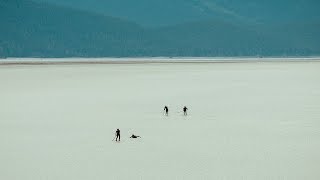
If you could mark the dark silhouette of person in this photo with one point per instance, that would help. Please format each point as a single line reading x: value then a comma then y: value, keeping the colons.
x: 166, y: 110
x: 134, y: 136
x: 117, y: 134
x: 185, y: 110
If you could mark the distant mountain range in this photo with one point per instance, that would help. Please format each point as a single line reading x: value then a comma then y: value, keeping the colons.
x: 171, y: 12
x: 169, y: 28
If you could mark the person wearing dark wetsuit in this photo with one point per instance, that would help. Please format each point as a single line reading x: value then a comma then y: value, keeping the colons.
x: 185, y: 110
x: 166, y: 110
x: 117, y: 134
x: 134, y: 136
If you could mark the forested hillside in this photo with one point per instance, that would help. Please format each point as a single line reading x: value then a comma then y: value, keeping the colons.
x: 39, y: 29
x: 170, y: 12
x: 31, y: 29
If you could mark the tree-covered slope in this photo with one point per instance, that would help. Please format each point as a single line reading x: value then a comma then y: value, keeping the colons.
x: 274, y: 11
x: 171, y: 12
x: 154, y: 13
x: 38, y: 29
x: 214, y: 38
x: 30, y: 29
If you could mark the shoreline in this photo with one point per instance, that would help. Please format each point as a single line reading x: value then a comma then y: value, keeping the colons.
x: 156, y: 60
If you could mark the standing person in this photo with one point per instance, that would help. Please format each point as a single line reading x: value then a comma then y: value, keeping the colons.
x: 117, y: 134
x: 185, y: 110
x: 166, y: 110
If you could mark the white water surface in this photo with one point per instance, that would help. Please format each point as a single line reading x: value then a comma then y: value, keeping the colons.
x: 251, y: 121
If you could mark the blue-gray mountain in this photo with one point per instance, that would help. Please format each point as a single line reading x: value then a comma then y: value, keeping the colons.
x: 31, y: 28
x: 39, y: 29
x: 171, y: 12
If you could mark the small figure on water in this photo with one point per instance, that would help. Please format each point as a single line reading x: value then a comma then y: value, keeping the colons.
x: 117, y: 134
x: 185, y: 110
x: 134, y: 136
x: 166, y: 110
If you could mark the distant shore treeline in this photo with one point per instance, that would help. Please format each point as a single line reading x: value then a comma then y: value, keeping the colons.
x: 30, y: 29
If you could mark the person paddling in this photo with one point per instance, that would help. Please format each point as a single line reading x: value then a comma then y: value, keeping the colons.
x: 166, y: 110
x: 185, y: 110
x: 117, y: 134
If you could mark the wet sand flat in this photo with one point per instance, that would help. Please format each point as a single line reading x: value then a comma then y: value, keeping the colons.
x: 253, y: 120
